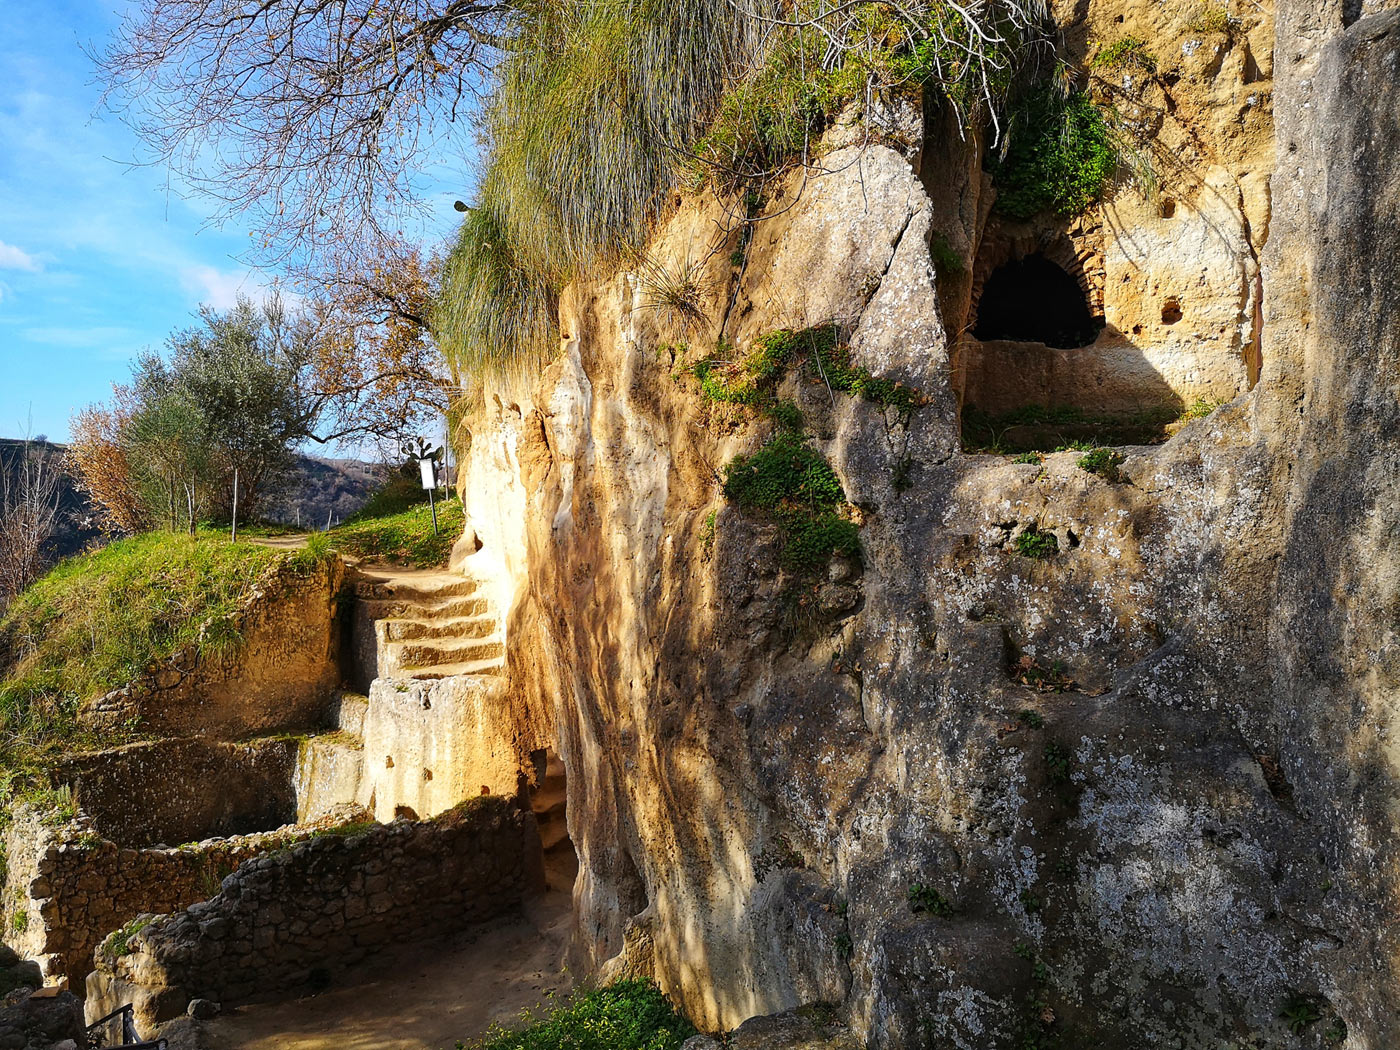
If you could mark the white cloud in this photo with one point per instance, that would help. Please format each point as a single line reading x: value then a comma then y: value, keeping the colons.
x: 12, y: 258
x: 220, y: 288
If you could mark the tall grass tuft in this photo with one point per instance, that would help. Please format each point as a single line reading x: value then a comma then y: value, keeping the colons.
x: 595, y: 105
x: 602, y: 106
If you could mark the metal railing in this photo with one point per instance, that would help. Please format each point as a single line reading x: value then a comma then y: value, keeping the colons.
x: 127, y: 1036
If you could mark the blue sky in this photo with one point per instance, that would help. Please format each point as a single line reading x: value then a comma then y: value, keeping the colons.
x: 97, y: 259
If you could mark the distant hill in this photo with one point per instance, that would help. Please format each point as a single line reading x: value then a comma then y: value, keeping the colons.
x: 320, y: 487
x: 77, y: 528
x: 316, y: 488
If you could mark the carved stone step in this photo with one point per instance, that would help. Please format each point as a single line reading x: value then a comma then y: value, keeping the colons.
x: 435, y: 652
x: 477, y: 667
x: 415, y: 629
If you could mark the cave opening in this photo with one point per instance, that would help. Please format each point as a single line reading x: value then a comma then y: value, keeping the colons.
x: 1033, y: 300
x: 549, y: 801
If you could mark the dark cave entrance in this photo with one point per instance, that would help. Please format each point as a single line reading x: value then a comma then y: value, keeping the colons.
x: 549, y: 801
x: 1032, y: 300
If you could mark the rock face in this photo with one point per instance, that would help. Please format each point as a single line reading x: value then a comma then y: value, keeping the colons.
x: 1138, y: 792
x: 32, y: 1018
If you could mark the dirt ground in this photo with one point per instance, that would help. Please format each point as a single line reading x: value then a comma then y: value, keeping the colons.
x: 416, y: 997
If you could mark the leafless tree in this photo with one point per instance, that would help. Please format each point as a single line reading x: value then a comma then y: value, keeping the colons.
x: 29, y: 497
x: 309, y: 119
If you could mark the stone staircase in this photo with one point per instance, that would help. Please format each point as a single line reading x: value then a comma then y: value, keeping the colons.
x: 426, y: 626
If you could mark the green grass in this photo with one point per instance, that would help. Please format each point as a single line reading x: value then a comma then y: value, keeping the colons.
x: 100, y: 620
x: 400, y: 493
x: 405, y: 538
x: 625, y: 1015
x: 1129, y: 53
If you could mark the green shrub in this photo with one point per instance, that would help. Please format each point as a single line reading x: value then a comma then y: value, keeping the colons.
x: 1032, y: 543
x: 785, y: 475
x: 1104, y: 462
x: 792, y: 482
x: 625, y: 1015
x: 1061, y: 156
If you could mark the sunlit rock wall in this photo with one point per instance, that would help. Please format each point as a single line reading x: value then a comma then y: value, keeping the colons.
x: 1145, y: 784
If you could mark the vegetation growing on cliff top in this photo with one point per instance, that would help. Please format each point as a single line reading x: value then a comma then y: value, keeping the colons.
x: 600, y: 109
x: 625, y: 1015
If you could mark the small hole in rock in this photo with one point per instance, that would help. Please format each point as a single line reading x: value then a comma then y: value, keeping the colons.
x: 1168, y: 208
x: 427, y: 774
x: 405, y: 813
x: 388, y: 761
x: 1171, y: 311
x: 1137, y: 329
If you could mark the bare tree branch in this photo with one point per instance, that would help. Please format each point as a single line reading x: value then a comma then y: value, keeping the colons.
x: 309, y: 119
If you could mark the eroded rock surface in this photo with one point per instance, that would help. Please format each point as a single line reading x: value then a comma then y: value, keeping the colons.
x: 1135, y: 793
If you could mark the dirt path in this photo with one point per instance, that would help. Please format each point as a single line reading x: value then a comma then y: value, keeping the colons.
x: 417, y: 997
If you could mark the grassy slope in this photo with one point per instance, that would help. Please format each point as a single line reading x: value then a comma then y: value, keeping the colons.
x: 98, y: 620
x: 405, y: 537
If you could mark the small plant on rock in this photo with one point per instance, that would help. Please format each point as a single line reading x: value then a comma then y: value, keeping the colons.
x: 923, y: 898
x: 120, y: 941
x: 790, y: 480
x: 1299, y: 1011
x: 844, y: 947
x: 1030, y: 719
x: 1058, y: 763
x: 1212, y: 18
x: 1033, y: 543
x: 1104, y: 462
x: 1129, y: 53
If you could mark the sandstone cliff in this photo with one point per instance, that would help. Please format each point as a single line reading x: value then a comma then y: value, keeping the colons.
x: 1136, y: 793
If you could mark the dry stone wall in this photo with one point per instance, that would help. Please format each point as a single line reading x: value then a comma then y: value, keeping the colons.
x: 66, y: 888
x: 322, y: 904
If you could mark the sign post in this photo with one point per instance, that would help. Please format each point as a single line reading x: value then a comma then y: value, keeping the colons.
x: 427, y: 458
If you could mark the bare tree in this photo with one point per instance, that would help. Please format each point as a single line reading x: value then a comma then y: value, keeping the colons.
x: 309, y: 118
x: 29, y: 496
